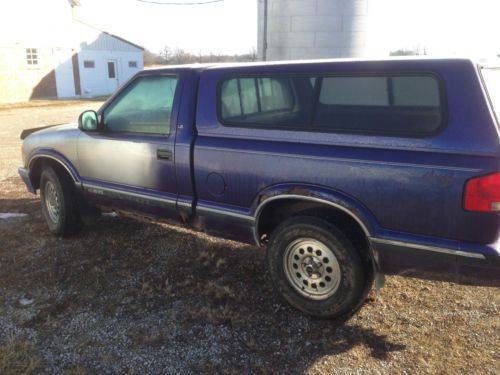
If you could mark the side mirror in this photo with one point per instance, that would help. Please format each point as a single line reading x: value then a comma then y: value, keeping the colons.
x: 88, y: 121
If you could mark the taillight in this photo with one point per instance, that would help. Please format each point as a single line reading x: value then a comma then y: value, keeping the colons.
x: 483, y: 193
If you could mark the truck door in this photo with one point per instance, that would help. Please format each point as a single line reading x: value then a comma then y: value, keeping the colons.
x: 130, y: 161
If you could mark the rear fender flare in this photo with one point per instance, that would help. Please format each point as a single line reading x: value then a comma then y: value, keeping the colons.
x: 329, y: 197
x: 317, y: 194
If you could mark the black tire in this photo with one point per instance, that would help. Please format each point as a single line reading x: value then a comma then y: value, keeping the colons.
x: 348, y: 291
x: 62, y: 218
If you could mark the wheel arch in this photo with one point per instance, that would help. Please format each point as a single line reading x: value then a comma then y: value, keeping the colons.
x: 350, y: 216
x: 58, y: 162
x: 315, y: 196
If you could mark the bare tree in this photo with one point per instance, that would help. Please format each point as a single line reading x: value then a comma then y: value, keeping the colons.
x: 414, y: 51
x: 170, y: 56
x: 253, y: 54
x: 166, y: 54
x: 150, y: 58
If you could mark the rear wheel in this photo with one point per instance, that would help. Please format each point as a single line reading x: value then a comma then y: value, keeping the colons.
x: 316, y: 268
x: 59, y: 203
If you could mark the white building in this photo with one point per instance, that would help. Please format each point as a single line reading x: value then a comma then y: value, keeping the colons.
x: 311, y: 29
x: 47, y: 51
x: 105, y: 61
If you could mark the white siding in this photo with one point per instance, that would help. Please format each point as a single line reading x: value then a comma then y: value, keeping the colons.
x: 90, y: 38
x: 50, y: 27
x: 108, y: 43
x: 94, y: 81
x: 101, y: 47
x: 65, y: 82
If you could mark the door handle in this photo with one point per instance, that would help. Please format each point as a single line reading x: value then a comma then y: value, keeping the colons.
x: 164, y: 154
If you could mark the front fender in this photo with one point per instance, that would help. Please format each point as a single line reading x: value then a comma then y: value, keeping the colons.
x: 59, y: 158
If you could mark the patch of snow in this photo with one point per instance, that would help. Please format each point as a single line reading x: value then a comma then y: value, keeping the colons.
x: 25, y: 301
x: 110, y: 214
x: 11, y: 215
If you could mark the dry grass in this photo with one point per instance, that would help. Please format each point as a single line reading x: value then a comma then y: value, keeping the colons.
x: 77, y: 371
x: 18, y: 357
x: 143, y: 297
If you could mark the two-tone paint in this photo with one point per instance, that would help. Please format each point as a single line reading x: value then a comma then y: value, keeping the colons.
x: 405, y: 193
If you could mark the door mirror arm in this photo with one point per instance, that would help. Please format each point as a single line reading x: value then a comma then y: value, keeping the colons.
x: 100, y: 122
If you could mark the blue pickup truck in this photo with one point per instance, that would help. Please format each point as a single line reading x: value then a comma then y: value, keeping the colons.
x: 345, y: 170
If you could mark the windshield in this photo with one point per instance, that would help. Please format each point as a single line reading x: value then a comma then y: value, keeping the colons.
x: 491, y: 77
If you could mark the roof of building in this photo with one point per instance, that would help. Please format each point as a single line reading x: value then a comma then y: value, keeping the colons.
x: 109, y: 34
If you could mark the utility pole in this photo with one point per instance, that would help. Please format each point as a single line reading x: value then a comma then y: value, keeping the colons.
x: 264, y: 33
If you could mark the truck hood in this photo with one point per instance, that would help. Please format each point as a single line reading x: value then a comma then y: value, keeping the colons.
x: 47, y: 129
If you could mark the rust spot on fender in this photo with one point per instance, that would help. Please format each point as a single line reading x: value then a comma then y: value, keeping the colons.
x: 301, y: 190
x: 264, y: 197
x: 298, y: 190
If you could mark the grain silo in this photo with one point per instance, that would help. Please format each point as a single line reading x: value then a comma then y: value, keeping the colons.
x: 310, y: 29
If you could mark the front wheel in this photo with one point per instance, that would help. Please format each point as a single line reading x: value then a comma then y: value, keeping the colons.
x: 316, y: 268
x: 59, y: 203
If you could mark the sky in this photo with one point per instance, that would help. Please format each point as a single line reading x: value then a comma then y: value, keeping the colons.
x: 228, y: 27
x: 442, y: 27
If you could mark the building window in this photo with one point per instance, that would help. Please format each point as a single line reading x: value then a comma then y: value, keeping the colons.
x: 132, y: 64
x: 31, y: 56
x: 88, y: 64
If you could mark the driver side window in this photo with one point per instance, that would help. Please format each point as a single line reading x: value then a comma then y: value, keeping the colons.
x: 144, y: 107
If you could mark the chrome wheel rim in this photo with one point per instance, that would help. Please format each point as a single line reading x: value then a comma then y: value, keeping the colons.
x: 52, y: 201
x: 312, y: 268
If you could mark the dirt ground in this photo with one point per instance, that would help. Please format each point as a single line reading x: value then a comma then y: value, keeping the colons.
x: 130, y: 297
